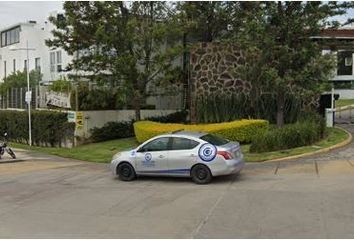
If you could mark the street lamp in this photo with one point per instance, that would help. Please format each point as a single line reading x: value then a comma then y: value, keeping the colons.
x: 28, y: 93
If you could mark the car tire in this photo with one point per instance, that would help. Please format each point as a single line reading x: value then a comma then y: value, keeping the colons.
x: 201, y: 174
x: 126, y: 172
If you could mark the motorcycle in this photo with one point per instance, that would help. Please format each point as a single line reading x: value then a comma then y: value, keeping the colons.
x: 4, y: 147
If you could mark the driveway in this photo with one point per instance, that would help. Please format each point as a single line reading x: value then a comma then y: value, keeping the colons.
x: 51, y: 197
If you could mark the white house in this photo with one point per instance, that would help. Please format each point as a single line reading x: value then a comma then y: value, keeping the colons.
x: 50, y: 62
x: 340, y: 42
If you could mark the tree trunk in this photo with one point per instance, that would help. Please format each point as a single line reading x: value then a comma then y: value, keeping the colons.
x: 137, y: 114
x: 137, y: 111
x: 137, y: 105
x: 280, y: 109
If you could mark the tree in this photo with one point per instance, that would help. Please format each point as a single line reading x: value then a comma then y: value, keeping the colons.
x: 203, y: 21
x: 135, y: 42
x: 18, y: 79
x: 277, y: 36
x: 61, y: 85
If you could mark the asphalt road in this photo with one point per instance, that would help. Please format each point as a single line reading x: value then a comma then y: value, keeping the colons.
x: 50, y: 197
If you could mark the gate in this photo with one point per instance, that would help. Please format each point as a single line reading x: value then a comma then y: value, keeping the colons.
x: 344, y: 115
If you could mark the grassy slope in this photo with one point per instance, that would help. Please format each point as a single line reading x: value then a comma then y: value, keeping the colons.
x: 94, y: 152
x: 344, y: 102
x: 334, y: 136
x: 103, y: 151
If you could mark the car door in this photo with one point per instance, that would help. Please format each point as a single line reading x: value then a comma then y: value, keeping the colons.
x: 182, y: 156
x: 152, y: 157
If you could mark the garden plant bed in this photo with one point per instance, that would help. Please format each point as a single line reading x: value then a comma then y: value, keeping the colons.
x: 102, y: 152
x: 334, y: 136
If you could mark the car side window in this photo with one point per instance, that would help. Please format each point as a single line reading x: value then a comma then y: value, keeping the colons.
x: 179, y: 143
x: 159, y: 144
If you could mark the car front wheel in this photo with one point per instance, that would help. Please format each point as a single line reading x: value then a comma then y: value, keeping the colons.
x: 126, y: 172
x: 201, y: 174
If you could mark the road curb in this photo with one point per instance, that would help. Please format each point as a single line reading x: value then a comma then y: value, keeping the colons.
x: 336, y: 146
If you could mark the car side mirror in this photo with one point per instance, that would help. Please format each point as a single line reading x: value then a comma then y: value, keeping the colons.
x: 142, y: 149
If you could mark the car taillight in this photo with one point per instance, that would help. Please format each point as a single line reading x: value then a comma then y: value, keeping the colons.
x: 226, y: 155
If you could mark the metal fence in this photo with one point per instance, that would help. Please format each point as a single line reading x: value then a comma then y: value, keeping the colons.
x: 43, y: 98
x: 15, y: 99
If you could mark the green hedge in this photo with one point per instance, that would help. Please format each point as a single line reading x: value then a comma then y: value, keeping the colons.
x: 224, y: 108
x: 308, y: 130
x: 242, y: 130
x: 48, y: 128
x: 112, y: 130
x: 116, y: 130
x: 176, y: 117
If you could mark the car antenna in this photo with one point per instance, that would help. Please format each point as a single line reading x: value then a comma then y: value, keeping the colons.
x: 176, y: 131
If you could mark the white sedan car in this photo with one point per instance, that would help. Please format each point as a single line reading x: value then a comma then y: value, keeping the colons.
x: 182, y: 153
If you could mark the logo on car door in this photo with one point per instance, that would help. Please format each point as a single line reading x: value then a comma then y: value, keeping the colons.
x: 207, y: 152
x: 148, y: 161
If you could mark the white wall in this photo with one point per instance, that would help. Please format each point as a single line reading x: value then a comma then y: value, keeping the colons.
x: 93, y: 119
x: 345, y: 93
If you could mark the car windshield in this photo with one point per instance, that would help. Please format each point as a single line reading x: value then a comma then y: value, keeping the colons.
x: 213, y: 139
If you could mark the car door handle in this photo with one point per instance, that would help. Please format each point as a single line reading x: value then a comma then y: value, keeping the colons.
x: 192, y: 155
x: 161, y: 156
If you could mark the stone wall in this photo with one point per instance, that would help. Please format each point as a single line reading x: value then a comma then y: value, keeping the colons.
x: 214, y: 69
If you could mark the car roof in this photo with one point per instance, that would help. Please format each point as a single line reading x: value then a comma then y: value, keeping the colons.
x: 183, y: 133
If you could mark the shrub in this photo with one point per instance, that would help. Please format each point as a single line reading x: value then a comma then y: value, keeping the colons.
x: 94, y: 98
x: 112, y: 130
x: 224, y: 108
x: 18, y: 79
x: 177, y: 117
x: 242, y: 130
x: 48, y: 128
x: 115, y: 130
x: 61, y: 85
x: 309, y: 129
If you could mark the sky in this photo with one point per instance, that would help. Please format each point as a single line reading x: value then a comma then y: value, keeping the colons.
x: 14, y: 12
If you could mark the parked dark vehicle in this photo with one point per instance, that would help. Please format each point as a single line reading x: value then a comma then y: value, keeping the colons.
x: 4, y: 147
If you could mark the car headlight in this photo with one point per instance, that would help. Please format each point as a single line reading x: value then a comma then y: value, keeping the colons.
x: 115, y: 156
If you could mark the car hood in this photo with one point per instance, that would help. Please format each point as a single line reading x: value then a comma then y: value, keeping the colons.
x: 126, y: 155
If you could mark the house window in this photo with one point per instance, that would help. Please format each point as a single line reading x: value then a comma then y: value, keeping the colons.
x: 52, y: 62
x: 344, y: 63
x: 59, y: 61
x: 5, y: 69
x: 56, y: 61
x: 37, y: 63
x: 348, y: 61
x: 3, y: 39
x: 10, y: 36
x: 14, y: 65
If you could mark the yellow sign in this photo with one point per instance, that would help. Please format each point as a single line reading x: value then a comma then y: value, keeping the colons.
x: 79, y: 120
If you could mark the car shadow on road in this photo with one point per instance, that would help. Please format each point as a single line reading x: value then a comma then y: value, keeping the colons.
x: 172, y: 180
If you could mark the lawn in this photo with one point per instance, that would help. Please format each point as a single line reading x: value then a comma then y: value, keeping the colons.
x: 344, y: 102
x: 94, y: 152
x: 103, y: 151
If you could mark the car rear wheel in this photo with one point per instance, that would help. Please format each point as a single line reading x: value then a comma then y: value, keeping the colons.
x: 126, y: 172
x: 201, y: 174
